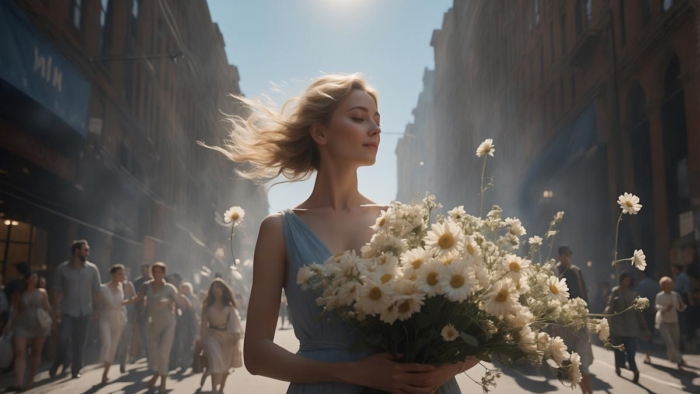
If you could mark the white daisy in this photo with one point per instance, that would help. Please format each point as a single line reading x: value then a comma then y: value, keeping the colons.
x: 428, y: 278
x: 383, y: 222
x: 542, y: 341
x: 629, y: 203
x: 414, y: 258
x: 551, y: 233
x: 515, y: 266
x: 472, y: 250
x: 371, y: 248
x: 234, y: 216
x: 393, y: 245
x: 557, y: 289
x: 449, y: 333
x: 502, y: 298
x: 522, y: 286
x: 515, y: 227
x: 482, y: 276
x: 536, y: 240
x: 527, y: 342
x: 520, y: 317
x: 557, y: 350
x: 639, y: 260
x: 304, y: 276
x: 574, y: 369
x: 348, y: 293
x: 444, y: 238
x: 457, y: 280
x: 389, y: 314
x: 603, y: 329
x: 486, y: 148
x: 457, y: 213
x: 409, y: 299
x: 375, y: 296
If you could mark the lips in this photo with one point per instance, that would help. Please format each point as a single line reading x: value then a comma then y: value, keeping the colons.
x: 372, y: 145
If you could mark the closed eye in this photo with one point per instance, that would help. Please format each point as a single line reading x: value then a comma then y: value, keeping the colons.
x: 358, y: 119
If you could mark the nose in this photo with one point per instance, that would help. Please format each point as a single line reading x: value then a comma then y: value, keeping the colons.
x: 376, y: 130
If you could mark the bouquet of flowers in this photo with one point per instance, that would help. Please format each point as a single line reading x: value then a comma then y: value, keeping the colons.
x: 439, y: 291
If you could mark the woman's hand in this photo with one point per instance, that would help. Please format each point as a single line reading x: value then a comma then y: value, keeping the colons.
x: 441, y: 375
x: 381, y: 372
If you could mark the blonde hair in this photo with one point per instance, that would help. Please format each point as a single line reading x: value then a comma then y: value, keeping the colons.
x: 279, y: 142
x: 664, y: 280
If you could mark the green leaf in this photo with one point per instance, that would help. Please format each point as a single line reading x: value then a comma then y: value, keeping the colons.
x: 469, y: 340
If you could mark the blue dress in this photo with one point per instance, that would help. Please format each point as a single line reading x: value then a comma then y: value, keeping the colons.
x: 319, y: 339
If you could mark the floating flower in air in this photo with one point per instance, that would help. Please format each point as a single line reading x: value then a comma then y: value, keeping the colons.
x: 629, y: 203
x: 234, y: 217
x: 639, y: 260
x: 486, y: 148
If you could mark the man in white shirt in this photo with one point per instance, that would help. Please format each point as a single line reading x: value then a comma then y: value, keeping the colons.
x: 668, y: 304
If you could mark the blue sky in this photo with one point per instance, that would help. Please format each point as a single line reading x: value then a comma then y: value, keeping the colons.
x: 288, y: 43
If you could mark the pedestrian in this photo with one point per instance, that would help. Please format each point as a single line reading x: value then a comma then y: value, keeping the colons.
x: 14, y: 286
x: 601, y: 298
x: 31, y: 319
x: 160, y: 319
x: 140, y: 311
x: 220, y: 332
x: 625, y: 327
x: 668, y: 304
x: 683, y: 287
x: 112, y: 317
x: 177, y: 349
x: 76, y: 287
x: 578, y: 341
x: 189, y: 325
x: 648, y: 288
x: 126, y: 341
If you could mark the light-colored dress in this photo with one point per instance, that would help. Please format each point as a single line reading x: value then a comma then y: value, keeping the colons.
x: 219, y: 343
x: 319, y: 338
x: 112, y: 321
x: 161, y: 326
x: 27, y: 322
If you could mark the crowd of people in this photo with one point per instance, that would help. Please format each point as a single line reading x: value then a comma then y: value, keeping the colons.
x: 157, y: 315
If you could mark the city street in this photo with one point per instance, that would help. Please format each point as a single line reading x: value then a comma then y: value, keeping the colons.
x: 660, y: 377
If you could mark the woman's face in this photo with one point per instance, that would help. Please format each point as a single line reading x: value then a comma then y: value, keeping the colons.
x: 216, y: 291
x: 157, y: 273
x: 32, y: 280
x: 625, y: 283
x: 185, y: 290
x: 353, y: 135
x: 667, y: 286
x: 118, y: 275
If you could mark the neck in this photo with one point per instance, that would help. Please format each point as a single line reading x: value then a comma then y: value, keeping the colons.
x: 335, y: 188
x: 76, y: 261
x: 30, y: 287
x: 115, y: 282
x: 158, y: 281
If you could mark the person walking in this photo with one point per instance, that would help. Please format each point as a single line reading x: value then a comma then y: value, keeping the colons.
x: 112, y: 317
x: 220, y: 332
x: 76, y: 287
x: 648, y: 288
x: 31, y: 319
x: 625, y: 327
x: 126, y: 341
x: 190, y: 325
x: 160, y: 319
x: 668, y: 304
x: 140, y: 311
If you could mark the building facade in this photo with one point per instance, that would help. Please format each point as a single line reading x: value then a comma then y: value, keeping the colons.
x: 103, y: 103
x: 585, y: 100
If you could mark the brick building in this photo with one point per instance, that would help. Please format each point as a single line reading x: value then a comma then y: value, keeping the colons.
x: 585, y: 99
x: 101, y: 105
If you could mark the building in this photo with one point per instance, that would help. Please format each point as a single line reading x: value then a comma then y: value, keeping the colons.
x: 102, y: 103
x: 585, y: 100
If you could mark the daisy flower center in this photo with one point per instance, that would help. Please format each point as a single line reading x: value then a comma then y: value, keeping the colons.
x: 446, y: 241
x: 629, y: 204
x: 514, y: 266
x: 386, y: 277
x: 404, y: 307
x: 502, y: 295
x: 470, y: 249
x: 417, y: 263
x: 375, y: 294
x: 382, y: 222
x: 457, y: 281
x: 235, y: 216
x: 554, y: 289
x: 432, y: 279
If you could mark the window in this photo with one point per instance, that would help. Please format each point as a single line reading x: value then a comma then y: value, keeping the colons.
x: 573, y: 89
x: 135, y: 17
x: 76, y: 13
x: 22, y: 242
x: 623, y: 29
x: 105, y: 25
x: 563, y: 34
x: 551, y: 40
x: 667, y: 4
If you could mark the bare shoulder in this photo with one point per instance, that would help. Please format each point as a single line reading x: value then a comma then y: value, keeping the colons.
x: 43, y: 291
x: 270, y: 236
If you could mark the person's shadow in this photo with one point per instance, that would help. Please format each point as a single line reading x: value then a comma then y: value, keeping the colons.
x: 686, y: 377
x: 135, y: 377
x: 534, y: 379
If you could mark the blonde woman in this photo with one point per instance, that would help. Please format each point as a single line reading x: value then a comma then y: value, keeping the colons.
x: 668, y: 304
x: 331, y: 130
x: 112, y: 317
x: 160, y: 298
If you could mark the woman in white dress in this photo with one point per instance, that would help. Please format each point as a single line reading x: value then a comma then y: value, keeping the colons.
x: 220, y: 331
x: 112, y: 317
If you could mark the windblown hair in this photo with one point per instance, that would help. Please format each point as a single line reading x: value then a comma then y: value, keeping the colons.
x: 279, y: 142
x: 226, y: 295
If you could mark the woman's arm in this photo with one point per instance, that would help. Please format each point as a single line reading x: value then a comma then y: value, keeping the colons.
x: 45, y: 304
x: 15, y: 311
x: 203, y: 326
x: 182, y: 301
x: 138, y: 298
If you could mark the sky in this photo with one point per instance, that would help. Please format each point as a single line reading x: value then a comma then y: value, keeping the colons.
x: 280, y: 46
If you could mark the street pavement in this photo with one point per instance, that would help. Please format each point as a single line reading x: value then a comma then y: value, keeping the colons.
x: 659, y: 377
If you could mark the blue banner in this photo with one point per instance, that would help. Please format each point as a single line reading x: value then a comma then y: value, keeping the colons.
x: 31, y: 64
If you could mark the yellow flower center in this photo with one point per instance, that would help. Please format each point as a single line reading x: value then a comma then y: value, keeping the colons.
x: 235, y: 216
x: 629, y: 204
x: 502, y: 295
x: 386, y: 277
x: 416, y: 263
x: 375, y: 294
x: 514, y: 266
x: 446, y: 241
x: 432, y: 279
x: 554, y: 289
x: 470, y: 249
x: 382, y: 222
x: 404, y: 307
x: 457, y: 281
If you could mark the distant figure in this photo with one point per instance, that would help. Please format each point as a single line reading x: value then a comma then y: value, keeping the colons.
x: 601, y: 299
x: 76, y: 287
x: 625, y: 327
x: 112, y: 317
x: 30, y: 329
x: 649, y: 288
x: 140, y: 311
x: 126, y: 341
x: 580, y: 341
x: 668, y: 304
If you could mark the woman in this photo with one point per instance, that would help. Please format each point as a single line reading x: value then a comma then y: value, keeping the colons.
x: 332, y: 130
x: 668, y: 304
x: 190, y: 322
x: 124, y: 347
x: 160, y: 299
x: 218, y: 316
x: 112, y: 317
x: 625, y: 327
x: 31, y: 328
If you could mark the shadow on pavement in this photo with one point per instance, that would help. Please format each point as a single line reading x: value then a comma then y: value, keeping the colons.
x: 685, y: 377
x: 532, y: 379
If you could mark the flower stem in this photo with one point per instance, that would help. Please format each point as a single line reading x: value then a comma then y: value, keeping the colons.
x: 483, y: 172
x: 233, y: 256
x: 617, y: 236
